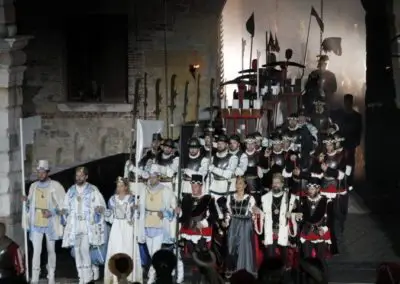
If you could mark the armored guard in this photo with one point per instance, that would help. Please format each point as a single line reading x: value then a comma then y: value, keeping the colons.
x: 11, y: 260
x: 222, y: 169
x: 198, y: 216
x: 140, y: 174
x: 276, y: 159
x: 321, y: 120
x: 334, y: 174
x: 208, y: 142
x: 277, y: 206
x: 314, y: 213
x: 253, y: 173
x: 235, y: 148
x: 168, y: 164
x: 196, y: 163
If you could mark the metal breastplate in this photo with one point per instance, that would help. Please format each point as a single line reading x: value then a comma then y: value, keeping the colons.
x: 222, y: 162
x: 194, y: 164
x: 162, y: 161
x: 332, y: 161
x: 252, y: 160
x: 279, y: 159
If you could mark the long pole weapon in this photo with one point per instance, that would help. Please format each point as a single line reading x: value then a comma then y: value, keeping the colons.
x: 145, y: 104
x: 135, y: 107
x: 158, y: 99
x: 212, y: 82
x: 196, y: 126
x: 321, y: 34
x: 185, y: 103
x: 166, y: 66
x: 178, y: 199
x: 25, y: 218
x: 243, y: 50
x: 172, y: 106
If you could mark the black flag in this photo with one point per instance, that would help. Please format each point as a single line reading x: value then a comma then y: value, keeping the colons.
x: 332, y: 44
x: 271, y: 43
x: 277, y: 48
x: 250, y: 26
x: 318, y: 18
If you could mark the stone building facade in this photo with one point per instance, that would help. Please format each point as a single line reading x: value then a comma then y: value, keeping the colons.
x: 33, y: 81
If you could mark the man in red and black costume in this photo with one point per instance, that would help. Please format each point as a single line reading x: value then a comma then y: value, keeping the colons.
x: 198, y: 217
x: 12, y: 267
x: 314, y: 216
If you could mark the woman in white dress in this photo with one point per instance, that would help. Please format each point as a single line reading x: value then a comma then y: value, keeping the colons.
x: 120, y: 214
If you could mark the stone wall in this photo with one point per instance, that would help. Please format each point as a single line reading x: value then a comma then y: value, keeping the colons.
x: 74, y: 132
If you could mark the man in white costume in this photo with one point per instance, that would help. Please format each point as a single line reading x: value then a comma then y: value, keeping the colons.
x: 83, y: 207
x: 222, y: 169
x: 196, y: 163
x: 43, y: 204
x: 157, y: 218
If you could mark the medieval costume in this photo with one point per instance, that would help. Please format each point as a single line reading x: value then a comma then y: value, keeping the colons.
x: 85, y: 227
x: 314, y: 212
x: 120, y: 214
x: 277, y: 206
x: 199, y: 215
x: 222, y: 169
x: 276, y: 159
x: 253, y: 172
x: 157, y: 222
x: 320, y: 118
x: 242, y: 240
x: 333, y: 172
x: 168, y: 164
x: 44, y: 201
x: 195, y: 164
x: 137, y: 176
x: 235, y: 148
x: 207, y: 141
x: 12, y: 265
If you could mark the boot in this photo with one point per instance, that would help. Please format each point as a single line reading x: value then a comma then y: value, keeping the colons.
x: 35, y: 276
x: 96, y: 272
x: 180, y: 272
x: 50, y: 277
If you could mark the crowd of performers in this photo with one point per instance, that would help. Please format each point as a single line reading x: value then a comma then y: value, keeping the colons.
x: 280, y: 196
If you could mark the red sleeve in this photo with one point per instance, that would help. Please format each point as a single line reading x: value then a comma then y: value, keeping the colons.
x: 17, y: 257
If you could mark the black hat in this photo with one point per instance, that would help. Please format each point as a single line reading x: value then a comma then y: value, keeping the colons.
x: 194, y: 143
x: 156, y: 137
x: 250, y: 139
x: 276, y: 139
x: 222, y: 138
x: 197, y: 179
x: 314, y: 182
x: 293, y: 116
x: 208, y: 131
x: 168, y: 143
x: 164, y: 261
x: 235, y: 137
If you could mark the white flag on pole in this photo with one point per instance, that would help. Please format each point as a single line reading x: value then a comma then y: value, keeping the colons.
x: 144, y: 134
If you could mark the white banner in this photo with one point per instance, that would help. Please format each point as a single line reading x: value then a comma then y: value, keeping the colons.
x: 144, y: 134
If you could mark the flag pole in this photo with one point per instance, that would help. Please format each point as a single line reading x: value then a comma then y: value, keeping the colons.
x: 22, y: 145
x: 321, y: 31
x: 135, y: 219
x: 243, y: 49
x: 308, y: 37
x: 251, y: 51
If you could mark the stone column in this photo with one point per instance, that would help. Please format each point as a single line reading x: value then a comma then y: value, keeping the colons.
x: 12, y: 60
